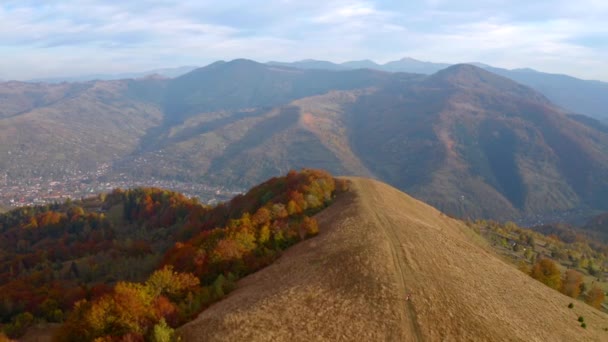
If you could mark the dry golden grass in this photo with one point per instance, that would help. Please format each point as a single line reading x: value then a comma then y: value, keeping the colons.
x: 376, y: 245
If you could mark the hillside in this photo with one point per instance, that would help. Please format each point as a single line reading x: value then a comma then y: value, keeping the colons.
x: 579, y: 96
x: 375, y: 246
x: 65, y: 130
x: 465, y: 134
x: 236, y: 123
x: 242, y: 84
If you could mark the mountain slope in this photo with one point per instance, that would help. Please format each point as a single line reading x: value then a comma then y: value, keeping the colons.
x: 244, y: 83
x: 20, y: 97
x: 241, y: 122
x: 576, y: 95
x: 465, y: 134
x: 239, y: 148
x: 376, y: 245
x: 74, y: 129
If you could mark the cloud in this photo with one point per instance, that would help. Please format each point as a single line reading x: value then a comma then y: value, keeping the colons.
x: 70, y: 37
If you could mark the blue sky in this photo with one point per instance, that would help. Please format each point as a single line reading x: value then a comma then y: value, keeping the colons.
x: 44, y: 38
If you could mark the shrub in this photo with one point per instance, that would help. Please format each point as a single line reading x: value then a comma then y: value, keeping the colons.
x: 581, y: 319
x: 584, y: 325
x: 570, y: 306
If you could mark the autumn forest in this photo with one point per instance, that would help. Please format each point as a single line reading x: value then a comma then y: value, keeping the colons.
x: 134, y: 264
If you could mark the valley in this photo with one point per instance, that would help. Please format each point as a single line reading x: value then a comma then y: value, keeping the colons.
x: 43, y: 191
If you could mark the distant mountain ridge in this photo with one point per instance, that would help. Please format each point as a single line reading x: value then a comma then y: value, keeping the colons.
x: 406, y: 64
x: 164, y: 72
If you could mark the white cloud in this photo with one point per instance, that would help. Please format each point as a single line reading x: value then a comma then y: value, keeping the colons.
x: 40, y: 39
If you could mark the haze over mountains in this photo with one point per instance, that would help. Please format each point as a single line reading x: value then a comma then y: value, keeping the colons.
x: 464, y: 139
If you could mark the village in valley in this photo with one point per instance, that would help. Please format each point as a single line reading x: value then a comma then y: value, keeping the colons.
x: 19, y: 191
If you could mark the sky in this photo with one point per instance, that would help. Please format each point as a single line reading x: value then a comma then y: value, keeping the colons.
x: 49, y: 38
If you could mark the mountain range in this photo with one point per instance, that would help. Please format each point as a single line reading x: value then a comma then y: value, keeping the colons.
x: 403, y: 65
x: 469, y: 141
x: 579, y: 96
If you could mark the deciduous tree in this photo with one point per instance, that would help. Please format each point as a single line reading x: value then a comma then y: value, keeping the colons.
x: 546, y: 271
x: 571, y: 283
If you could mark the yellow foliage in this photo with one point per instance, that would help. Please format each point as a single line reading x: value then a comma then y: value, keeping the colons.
x: 245, y: 239
x: 167, y: 281
x: 264, y: 234
x: 547, y: 273
x: 100, y: 314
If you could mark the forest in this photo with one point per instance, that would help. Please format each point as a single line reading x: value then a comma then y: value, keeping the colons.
x: 134, y: 264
